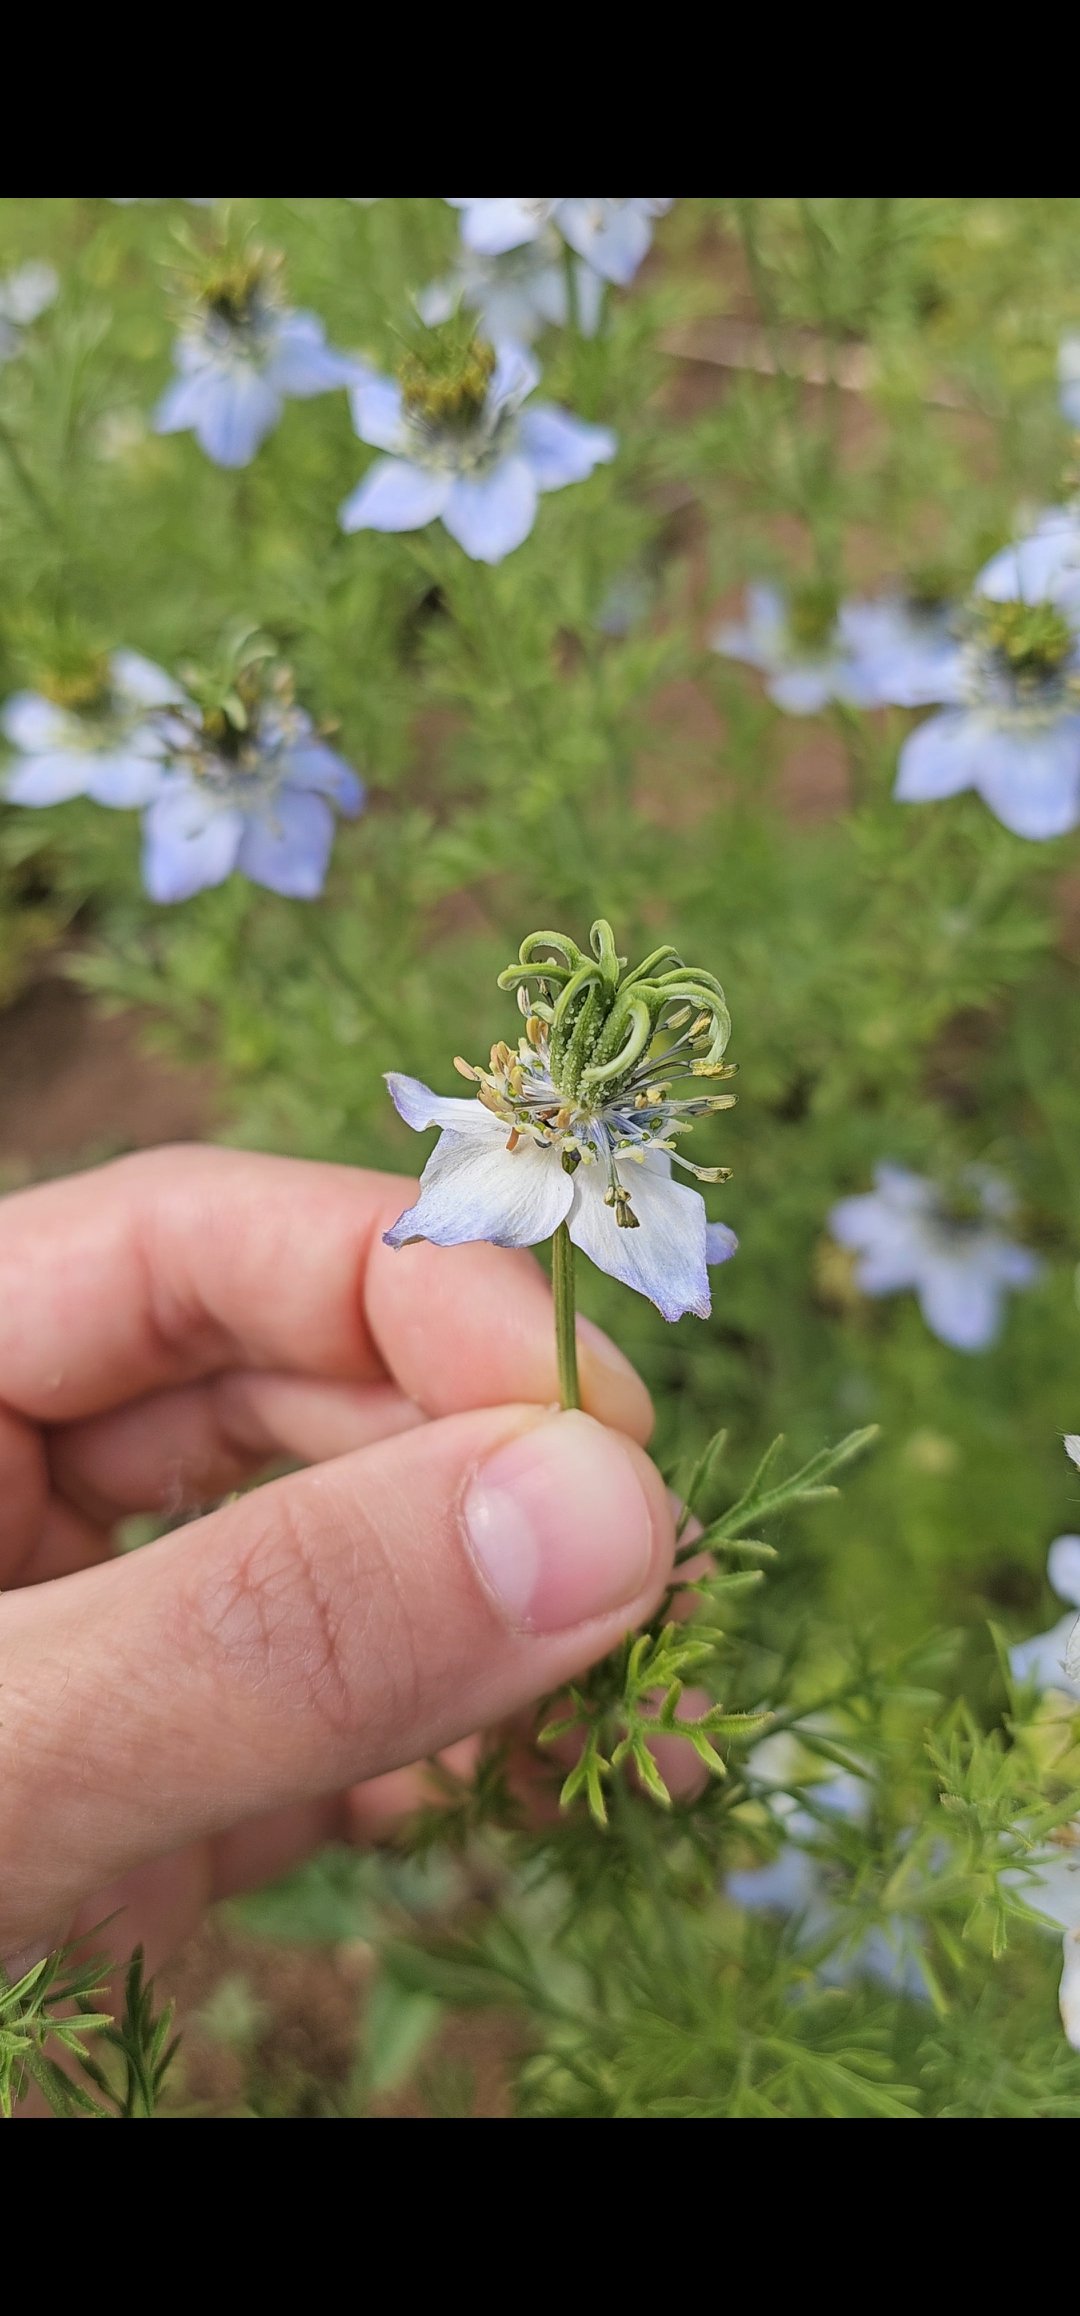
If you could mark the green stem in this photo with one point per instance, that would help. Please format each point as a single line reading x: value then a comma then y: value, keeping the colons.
x: 562, y: 1279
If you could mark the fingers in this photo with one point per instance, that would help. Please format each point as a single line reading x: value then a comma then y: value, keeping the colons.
x: 179, y: 1449
x: 329, y: 1628
x: 181, y: 1263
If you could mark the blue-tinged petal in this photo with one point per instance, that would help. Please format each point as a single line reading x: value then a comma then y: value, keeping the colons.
x: 887, y: 1242
x: 49, y: 779
x: 614, y: 237
x: 396, y: 496
x: 235, y: 415
x: 439, y: 300
x: 126, y: 780
x: 419, y: 1107
x: 142, y: 682
x: 941, y: 757
x: 1041, y: 1660
x: 287, y: 842
x: 26, y: 292
x: 475, y: 1188
x: 377, y: 414
x: 1014, y: 1265
x: 789, y: 1884
x: 562, y: 449
x: 490, y: 514
x: 189, y: 842
x: 180, y: 407
x: 1069, y: 1989
x: 1031, y: 780
x: 493, y: 225
x: 901, y: 1187
x: 665, y: 1257
x: 720, y: 1243
x: 37, y: 724
x: 1063, y: 1568
x: 1070, y: 403
x: 804, y: 691
x: 1045, y: 566
x: 301, y: 363
x: 515, y: 374
x: 760, y: 637
x: 312, y: 765
x: 960, y: 1299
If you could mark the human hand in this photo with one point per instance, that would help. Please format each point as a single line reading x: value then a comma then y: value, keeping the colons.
x: 187, y: 1720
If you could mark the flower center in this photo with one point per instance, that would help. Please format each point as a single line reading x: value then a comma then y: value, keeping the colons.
x: 1030, y: 642
x: 84, y: 687
x: 593, y: 1077
x: 235, y: 295
x: 812, y: 615
x: 445, y: 385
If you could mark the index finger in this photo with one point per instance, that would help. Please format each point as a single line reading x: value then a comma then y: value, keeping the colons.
x: 177, y: 1263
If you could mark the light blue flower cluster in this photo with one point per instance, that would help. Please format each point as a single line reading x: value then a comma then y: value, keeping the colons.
x: 864, y: 653
x: 516, y: 295
x: 464, y: 451
x: 952, y: 1253
x: 611, y: 235
x: 254, y: 794
x: 240, y: 358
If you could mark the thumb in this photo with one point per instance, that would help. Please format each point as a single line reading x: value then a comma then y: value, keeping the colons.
x: 324, y: 1629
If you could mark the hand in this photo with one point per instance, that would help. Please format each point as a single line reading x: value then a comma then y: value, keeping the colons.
x: 186, y: 1720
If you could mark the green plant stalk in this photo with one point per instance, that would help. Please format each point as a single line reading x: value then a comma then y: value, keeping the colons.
x: 562, y: 1279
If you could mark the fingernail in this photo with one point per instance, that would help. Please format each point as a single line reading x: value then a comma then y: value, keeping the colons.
x: 560, y: 1524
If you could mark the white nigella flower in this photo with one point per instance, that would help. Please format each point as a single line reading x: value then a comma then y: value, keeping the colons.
x: 611, y: 233
x: 578, y: 1123
x: 797, y: 643
x: 952, y: 1253
x: 1052, y: 1659
x: 1042, y: 567
x: 242, y: 355
x: 1069, y: 378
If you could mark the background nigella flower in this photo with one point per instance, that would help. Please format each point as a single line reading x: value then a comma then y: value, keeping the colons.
x: 952, y: 1254
x: 806, y: 1881
x: 578, y: 1124
x: 104, y: 743
x: 240, y: 359
x: 250, y: 787
x: 518, y: 294
x: 900, y: 650
x: 1014, y: 734
x: 1052, y: 1659
x: 1042, y: 567
x: 613, y: 235
x: 798, y: 645
x: 464, y: 451
x: 24, y: 295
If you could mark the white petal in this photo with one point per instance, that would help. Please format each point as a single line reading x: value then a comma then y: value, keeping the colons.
x: 1063, y: 1568
x: 376, y: 409
x: 396, y: 496
x: 1043, y: 1658
x: 473, y: 1188
x: 665, y: 1257
x: 960, y: 1299
x: 720, y: 1243
x: 1069, y: 1990
x: 29, y: 721
x: 419, y: 1107
x: 941, y: 757
x: 50, y: 779
x: 142, y: 681
x: 1071, y: 1443
x: 490, y: 514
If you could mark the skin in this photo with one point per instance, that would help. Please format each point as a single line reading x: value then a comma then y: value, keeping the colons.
x: 186, y: 1721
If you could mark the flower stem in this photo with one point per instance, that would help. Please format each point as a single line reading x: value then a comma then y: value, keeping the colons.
x: 562, y: 1279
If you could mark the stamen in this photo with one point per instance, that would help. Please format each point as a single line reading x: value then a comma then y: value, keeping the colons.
x: 464, y: 1069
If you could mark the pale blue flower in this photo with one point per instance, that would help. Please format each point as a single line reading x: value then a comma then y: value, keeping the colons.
x: 518, y: 294
x: 481, y: 476
x: 954, y: 1256
x: 1051, y: 1882
x: 112, y: 751
x: 1013, y: 733
x: 238, y: 363
x: 262, y: 807
x: 24, y: 295
x: 802, y: 677
x: 1042, y: 567
x: 612, y: 235
x: 899, y: 652
x: 807, y: 1880
x: 1051, y: 1660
